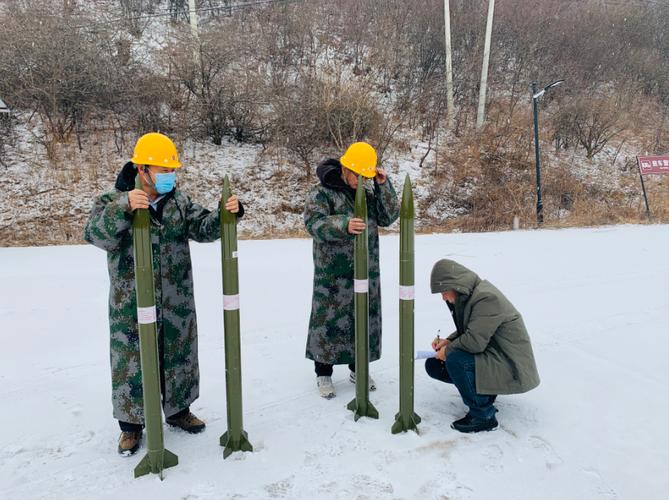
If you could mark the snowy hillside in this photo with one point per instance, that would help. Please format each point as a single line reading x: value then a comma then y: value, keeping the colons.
x: 595, y: 302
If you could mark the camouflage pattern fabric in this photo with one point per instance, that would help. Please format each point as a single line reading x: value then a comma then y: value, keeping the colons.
x: 110, y: 228
x: 332, y: 323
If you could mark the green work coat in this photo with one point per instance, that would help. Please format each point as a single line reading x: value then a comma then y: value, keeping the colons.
x: 489, y: 327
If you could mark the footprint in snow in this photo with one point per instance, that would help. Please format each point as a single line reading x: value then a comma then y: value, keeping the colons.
x: 552, y: 458
x: 495, y: 458
x: 603, y: 490
x: 280, y: 489
x: 369, y: 485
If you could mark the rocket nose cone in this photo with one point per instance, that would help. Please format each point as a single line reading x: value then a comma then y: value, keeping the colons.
x: 226, y: 184
x: 360, y: 200
x: 407, y: 206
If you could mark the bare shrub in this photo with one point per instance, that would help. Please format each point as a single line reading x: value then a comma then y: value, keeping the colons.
x: 317, y: 113
x: 220, y: 92
x: 64, y: 75
x: 590, y: 123
x: 133, y: 15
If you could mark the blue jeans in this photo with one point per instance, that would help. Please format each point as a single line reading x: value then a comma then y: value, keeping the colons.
x: 458, y: 369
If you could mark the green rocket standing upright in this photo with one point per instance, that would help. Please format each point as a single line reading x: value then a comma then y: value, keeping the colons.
x: 361, y: 405
x: 235, y: 439
x: 157, y: 457
x: 406, y: 418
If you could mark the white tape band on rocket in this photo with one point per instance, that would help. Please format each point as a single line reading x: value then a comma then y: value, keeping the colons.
x: 361, y: 286
x: 407, y: 292
x: 231, y: 302
x: 146, y: 315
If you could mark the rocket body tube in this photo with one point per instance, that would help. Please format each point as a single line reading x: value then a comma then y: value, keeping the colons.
x: 361, y: 406
x: 157, y: 457
x: 235, y: 439
x: 406, y: 418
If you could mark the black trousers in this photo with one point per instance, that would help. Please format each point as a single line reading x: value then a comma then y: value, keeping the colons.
x: 325, y: 370
x: 129, y: 427
x: 459, y: 369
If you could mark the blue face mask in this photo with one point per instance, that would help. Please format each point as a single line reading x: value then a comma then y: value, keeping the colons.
x: 165, y: 182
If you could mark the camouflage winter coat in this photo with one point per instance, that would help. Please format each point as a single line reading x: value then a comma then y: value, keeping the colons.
x: 329, y: 207
x: 176, y: 221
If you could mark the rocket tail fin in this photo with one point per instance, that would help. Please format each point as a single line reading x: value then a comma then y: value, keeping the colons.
x: 403, y: 424
x: 370, y: 411
x: 231, y: 445
x: 146, y: 465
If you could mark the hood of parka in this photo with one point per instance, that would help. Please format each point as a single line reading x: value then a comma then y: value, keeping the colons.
x: 329, y: 173
x: 449, y: 275
x: 125, y: 181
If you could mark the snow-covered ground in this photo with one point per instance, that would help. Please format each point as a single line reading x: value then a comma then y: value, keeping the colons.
x: 595, y: 302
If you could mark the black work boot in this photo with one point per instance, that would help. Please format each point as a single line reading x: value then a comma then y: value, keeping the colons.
x: 186, y: 421
x: 129, y: 442
x: 472, y: 424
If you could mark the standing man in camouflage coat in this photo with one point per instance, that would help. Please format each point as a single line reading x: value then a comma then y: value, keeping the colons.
x: 329, y: 218
x: 175, y: 220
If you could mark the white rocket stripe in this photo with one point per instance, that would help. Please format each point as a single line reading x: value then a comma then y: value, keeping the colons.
x: 361, y: 286
x: 407, y: 292
x: 231, y: 302
x: 146, y: 315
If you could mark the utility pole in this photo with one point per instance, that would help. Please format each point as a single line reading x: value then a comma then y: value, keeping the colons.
x: 486, y: 59
x: 449, y: 65
x: 192, y: 15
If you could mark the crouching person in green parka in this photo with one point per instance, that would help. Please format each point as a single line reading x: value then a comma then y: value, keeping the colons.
x: 174, y: 220
x: 490, y: 351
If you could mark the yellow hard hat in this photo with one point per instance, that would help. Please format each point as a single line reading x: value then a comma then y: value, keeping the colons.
x: 156, y: 149
x: 360, y: 157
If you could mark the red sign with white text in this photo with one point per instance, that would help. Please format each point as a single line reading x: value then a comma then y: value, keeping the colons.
x: 653, y: 164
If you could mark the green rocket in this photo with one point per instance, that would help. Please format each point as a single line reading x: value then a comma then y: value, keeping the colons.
x: 235, y: 439
x: 406, y: 418
x: 157, y: 457
x: 361, y: 406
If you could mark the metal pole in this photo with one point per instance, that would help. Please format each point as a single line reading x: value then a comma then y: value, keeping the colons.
x: 643, y: 188
x: 236, y: 438
x: 361, y: 406
x: 537, y: 153
x: 192, y: 16
x: 406, y: 418
x: 449, y: 65
x: 486, y: 59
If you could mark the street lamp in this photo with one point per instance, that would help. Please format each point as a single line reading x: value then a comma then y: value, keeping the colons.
x: 535, y: 98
